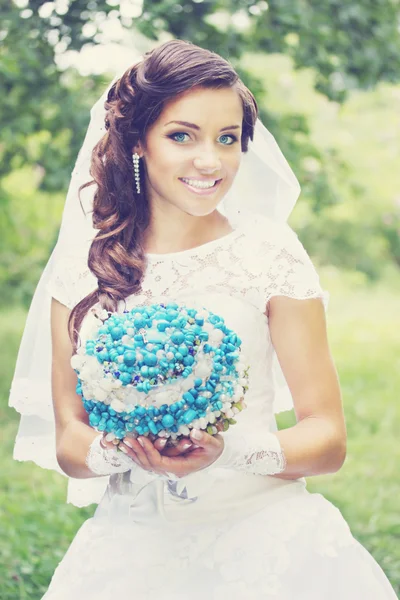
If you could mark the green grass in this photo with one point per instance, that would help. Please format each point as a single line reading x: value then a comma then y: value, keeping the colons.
x: 37, y: 526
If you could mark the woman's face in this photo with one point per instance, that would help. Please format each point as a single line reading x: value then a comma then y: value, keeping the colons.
x: 182, y: 160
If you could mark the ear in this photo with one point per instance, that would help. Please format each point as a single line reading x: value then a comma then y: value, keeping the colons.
x: 139, y: 149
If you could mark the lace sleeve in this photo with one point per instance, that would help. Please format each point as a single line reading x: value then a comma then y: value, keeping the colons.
x: 291, y: 271
x: 71, y: 280
x: 59, y: 285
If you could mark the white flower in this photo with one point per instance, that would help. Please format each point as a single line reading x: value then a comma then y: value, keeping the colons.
x: 216, y: 336
x: 117, y: 405
x: 100, y: 394
x: 77, y: 361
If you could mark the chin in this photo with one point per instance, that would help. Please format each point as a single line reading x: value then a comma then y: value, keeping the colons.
x: 200, y: 211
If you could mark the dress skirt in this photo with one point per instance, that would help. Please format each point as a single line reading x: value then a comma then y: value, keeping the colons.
x: 249, y: 538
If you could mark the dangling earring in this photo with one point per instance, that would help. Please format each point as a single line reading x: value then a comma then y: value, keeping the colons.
x: 135, y: 158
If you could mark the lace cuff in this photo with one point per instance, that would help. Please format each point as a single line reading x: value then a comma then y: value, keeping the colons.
x: 260, y: 458
x: 105, y: 461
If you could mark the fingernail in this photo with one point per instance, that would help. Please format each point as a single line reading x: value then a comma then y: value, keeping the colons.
x: 141, y: 442
x: 196, y: 433
x: 128, y: 444
x: 123, y: 449
x: 186, y: 446
x: 162, y: 443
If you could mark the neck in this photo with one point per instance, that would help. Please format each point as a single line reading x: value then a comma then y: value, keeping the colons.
x: 175, y: 231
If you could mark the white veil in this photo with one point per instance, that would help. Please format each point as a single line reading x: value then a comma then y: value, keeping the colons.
x: 263, y: 168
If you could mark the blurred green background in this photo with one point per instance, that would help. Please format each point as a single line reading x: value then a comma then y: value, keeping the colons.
x: 326, y: 76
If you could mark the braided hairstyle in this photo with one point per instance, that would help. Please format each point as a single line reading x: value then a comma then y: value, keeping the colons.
x: 121, y: 215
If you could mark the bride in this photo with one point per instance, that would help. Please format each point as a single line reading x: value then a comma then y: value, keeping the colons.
x: 190, y: 206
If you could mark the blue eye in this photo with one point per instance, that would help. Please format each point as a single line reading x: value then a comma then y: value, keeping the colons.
x: 173, y: 136
x: 232, y: 137
x: 180, y: 135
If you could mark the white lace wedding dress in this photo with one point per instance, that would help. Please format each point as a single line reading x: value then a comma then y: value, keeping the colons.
x: 223, y: 534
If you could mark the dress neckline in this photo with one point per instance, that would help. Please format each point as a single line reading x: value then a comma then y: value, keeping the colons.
x: 151, y: 257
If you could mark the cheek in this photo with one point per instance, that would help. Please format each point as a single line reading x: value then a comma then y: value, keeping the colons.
x: 165, y: 161
x: 233, y: 164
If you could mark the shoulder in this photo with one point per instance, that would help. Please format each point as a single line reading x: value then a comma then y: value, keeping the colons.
x: 268, y: 238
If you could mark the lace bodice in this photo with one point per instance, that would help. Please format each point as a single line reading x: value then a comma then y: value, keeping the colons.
x: 235, y: 277
x: 258, y: 260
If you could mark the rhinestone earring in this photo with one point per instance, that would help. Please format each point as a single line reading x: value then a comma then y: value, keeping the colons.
x: 135, y: 158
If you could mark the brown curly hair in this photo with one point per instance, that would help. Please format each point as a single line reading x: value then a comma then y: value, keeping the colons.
x: 135, y: 101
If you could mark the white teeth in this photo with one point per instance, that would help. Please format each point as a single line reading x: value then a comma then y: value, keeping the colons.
x: 199, y: 184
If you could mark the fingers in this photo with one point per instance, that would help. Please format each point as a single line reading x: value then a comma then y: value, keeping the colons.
x: 159, y: 443
x: 184, y: 445
x: 205, y: 440
x: 190, y: 454
x: 136, y: 452
x: 145, y: 453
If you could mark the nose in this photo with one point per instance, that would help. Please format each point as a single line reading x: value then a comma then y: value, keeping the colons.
x: 207, y: 161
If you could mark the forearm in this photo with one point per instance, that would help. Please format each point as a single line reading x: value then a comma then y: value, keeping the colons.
x: 311, y: 447
x: 73, y: 448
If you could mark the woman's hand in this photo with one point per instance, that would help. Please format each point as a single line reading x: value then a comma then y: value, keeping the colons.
x: 180, y: 460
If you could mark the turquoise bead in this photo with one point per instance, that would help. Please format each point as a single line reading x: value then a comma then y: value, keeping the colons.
x: 150, y: 360
x: 94, y: 419
x: 187, y: 396
x: 139, y: 323
x: 189, y: 416
x: 201, y: 402
x: 153, y: 427
x: 117, y: 333
x: 177, y: 337
x: 168, y: 421
x: 129, y: 358
x: 162, y: 325
x: 171, y: 314
x: 183, y: 350
x: 232, y: 357
x: 126, y: 378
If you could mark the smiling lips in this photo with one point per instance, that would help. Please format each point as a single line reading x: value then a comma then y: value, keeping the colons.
x: 201, y: 186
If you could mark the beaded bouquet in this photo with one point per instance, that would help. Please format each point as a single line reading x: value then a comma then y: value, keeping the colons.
x: 160, y: 370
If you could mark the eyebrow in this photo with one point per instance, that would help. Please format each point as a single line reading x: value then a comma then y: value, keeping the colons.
x: 194, y: 126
